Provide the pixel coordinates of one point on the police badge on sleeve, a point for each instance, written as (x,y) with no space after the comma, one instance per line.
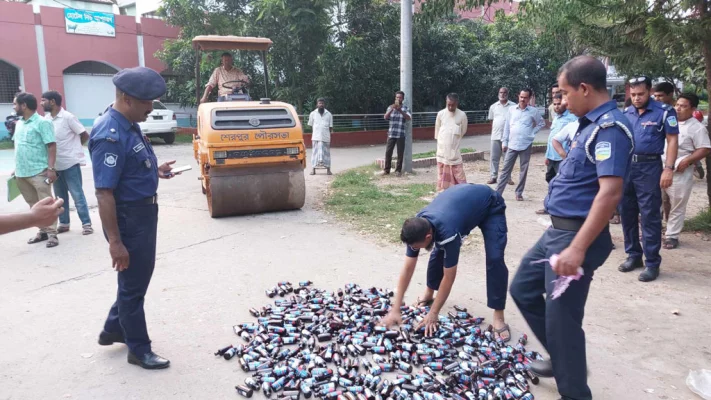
(603,151)
(672,121)
(110,160)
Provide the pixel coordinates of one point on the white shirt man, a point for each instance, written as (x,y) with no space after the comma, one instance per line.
(694,145)
(498,112)
(69,134)
(450,128)
(321,123)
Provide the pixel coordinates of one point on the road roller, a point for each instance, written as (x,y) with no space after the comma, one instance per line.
(251,154)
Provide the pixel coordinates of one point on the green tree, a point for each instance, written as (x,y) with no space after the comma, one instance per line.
(300,31)
(670,39)
(298,28)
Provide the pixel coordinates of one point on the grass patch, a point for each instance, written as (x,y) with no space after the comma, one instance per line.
(381,210)
(183,138)
(540,143)
(700,223)
(433,153)
(6,144)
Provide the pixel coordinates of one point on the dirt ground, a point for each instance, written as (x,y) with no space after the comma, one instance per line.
(210,271)
(637,348)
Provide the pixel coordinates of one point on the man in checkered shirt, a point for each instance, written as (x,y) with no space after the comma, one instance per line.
(398,114)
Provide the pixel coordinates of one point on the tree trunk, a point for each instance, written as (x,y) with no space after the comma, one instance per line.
(706,49)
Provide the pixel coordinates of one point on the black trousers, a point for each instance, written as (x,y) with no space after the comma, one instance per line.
(138,226)
(389,154)
(552,169)
(558,324)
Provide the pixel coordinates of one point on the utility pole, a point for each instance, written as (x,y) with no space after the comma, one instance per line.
(406,73)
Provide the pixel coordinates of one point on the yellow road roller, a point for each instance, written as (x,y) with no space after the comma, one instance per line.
(251,154)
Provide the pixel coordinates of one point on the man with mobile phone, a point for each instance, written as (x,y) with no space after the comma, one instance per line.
(35,155)
(398,114)
(126,174)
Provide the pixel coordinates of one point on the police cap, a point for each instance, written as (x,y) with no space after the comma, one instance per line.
(140,82)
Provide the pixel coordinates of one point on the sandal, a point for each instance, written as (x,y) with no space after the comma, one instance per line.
(671,243)
(424,303)
(87,230)
(39,237)
(52,241)
(504,328)
(62,228)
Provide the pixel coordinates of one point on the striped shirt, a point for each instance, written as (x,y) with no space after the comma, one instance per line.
(220,75)
(397,122)
(521,128)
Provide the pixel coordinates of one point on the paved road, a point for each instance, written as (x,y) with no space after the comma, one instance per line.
(342,159)
(208,273)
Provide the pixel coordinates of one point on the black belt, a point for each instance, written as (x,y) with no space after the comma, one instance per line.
(143,202)
(645,157)
(567,224)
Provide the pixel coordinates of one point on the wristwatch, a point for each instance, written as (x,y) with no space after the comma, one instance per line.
(52,169)
(671,167)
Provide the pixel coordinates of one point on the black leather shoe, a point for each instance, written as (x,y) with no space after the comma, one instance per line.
(544,369)
(149,360)
(107,339)
(649,274)
(631,264)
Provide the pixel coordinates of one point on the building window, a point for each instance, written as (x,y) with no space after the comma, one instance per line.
(9,82)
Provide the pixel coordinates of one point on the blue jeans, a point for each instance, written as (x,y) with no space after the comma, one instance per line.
(69,181)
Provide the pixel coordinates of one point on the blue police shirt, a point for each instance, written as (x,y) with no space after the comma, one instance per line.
(122,158)
(651,127)
(572,191)
(453,214)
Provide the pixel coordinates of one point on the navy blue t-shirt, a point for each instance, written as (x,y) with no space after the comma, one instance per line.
(453,214)
(122,158)
(572,191)
(652,127)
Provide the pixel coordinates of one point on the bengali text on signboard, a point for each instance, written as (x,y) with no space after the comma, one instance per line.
(95,23)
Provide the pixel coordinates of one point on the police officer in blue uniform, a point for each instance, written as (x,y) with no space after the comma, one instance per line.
(441,227)
(653,123)
(126,176)
(580,200)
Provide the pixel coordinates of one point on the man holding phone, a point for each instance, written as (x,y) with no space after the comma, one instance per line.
(398,114)
(35,155)
(126,176)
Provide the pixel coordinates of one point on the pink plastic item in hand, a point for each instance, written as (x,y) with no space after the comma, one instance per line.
(560,285)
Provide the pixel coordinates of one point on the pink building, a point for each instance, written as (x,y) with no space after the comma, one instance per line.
(483,14)
(42,48)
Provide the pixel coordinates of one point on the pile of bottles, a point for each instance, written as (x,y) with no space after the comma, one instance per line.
(311,342)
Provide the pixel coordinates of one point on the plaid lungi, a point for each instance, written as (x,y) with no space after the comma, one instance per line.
(320,154)
(449,175)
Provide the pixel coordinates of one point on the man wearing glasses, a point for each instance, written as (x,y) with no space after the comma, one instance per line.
(653,123)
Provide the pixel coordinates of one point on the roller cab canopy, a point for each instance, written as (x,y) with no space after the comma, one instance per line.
(214,42)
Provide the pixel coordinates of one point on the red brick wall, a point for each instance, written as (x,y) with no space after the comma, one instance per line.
(17,43)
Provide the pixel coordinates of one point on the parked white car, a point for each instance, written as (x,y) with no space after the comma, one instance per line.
(161,122)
